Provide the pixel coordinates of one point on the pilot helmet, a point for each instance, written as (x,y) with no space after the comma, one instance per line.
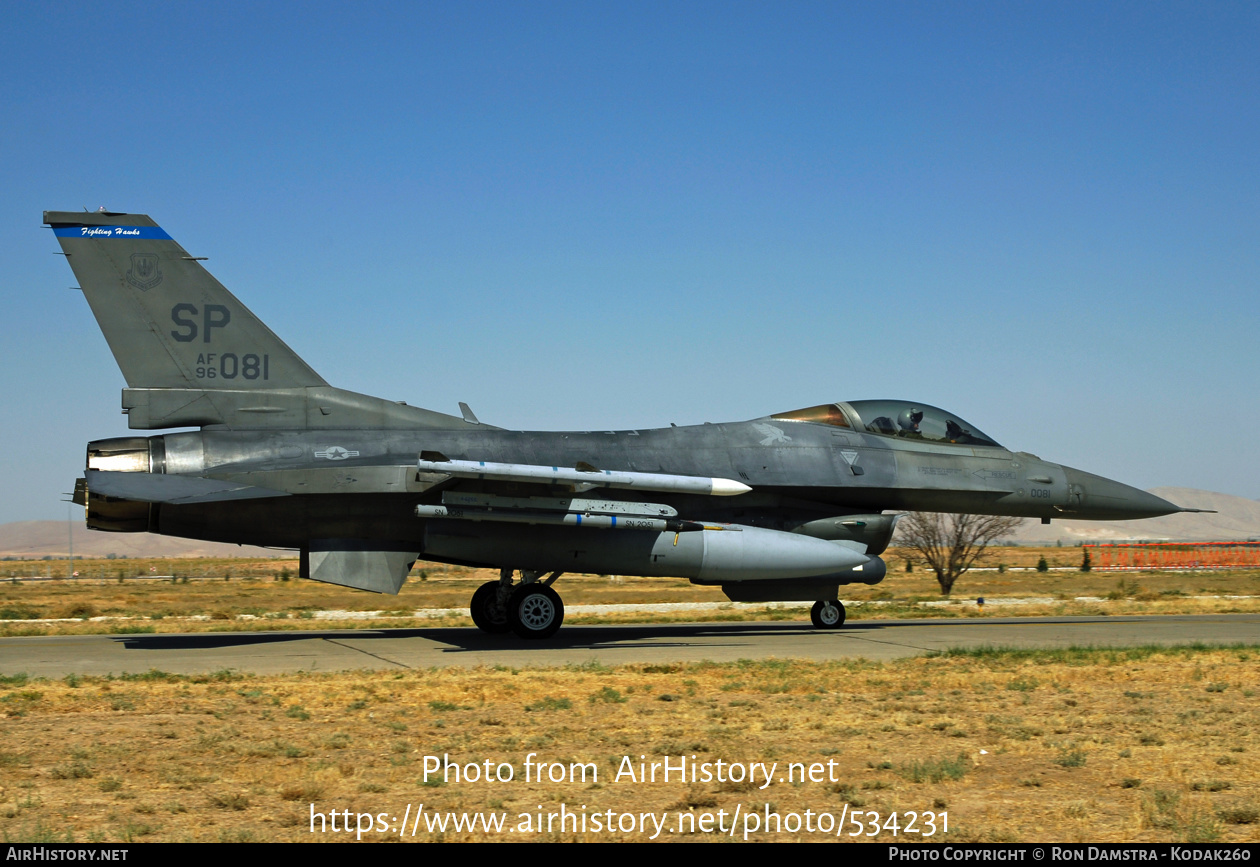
(910,418)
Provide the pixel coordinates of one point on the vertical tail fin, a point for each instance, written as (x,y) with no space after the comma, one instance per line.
(192,354)
(168,322)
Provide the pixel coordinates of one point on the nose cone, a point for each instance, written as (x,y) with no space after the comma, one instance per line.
(1100,499)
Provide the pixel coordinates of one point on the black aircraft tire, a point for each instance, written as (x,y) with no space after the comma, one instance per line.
(535,611)
(482,610)
(827,614)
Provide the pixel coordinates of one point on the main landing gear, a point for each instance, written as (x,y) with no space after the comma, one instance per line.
(531,609)
(827,614)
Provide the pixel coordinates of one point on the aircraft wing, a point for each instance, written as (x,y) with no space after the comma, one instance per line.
(180,490)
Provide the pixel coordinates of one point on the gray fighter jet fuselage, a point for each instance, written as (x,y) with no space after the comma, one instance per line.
(789,506)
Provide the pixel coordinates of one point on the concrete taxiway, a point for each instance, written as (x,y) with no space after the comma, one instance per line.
(384,649)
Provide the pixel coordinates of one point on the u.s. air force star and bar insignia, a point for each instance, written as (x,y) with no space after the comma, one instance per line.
(145,272)
(336,453)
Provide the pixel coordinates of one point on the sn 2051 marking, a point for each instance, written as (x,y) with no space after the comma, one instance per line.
(228,365)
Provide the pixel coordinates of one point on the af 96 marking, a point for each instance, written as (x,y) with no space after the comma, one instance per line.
(228,365)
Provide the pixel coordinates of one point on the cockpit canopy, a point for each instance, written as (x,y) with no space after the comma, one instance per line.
(917,421)
(895,418)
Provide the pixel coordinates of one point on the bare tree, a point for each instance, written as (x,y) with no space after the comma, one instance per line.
(951,544)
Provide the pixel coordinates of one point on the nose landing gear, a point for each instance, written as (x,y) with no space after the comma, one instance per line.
(827,614)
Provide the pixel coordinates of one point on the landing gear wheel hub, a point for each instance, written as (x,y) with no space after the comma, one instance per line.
(535,611)
(827,614)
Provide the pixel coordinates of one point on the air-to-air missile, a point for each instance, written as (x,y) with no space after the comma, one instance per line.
(789,506)
(583,477)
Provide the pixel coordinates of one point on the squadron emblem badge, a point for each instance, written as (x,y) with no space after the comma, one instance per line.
(144,273)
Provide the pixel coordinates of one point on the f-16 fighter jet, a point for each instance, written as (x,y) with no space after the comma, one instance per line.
(789,506)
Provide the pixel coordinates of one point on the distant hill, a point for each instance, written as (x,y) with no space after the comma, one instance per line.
(1237,519)
(36,539)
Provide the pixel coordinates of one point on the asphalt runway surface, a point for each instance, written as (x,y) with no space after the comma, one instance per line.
(400,649)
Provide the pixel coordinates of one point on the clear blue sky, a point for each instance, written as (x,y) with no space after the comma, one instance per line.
(594,215)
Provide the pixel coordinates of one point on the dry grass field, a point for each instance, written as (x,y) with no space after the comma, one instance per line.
(1078,745)
(1071,746)
(224,594)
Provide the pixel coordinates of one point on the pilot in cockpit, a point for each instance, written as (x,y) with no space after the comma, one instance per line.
(908,421)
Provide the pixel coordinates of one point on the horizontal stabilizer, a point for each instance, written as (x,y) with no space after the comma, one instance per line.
(583,479)
(179,490)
